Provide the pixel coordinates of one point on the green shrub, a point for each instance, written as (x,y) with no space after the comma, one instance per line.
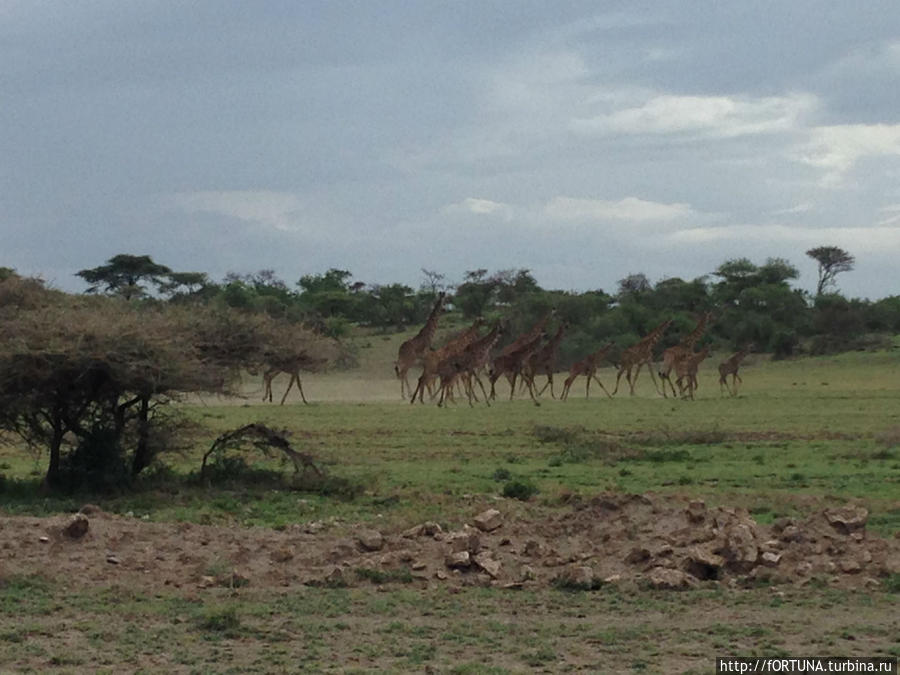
(521,490)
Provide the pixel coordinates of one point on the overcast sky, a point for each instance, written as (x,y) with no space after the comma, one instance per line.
(582,140)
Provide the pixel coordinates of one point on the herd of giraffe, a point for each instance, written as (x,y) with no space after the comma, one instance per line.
(463,359)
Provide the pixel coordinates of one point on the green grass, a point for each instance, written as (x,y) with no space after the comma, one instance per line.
(802,435)
(474,631)
(800,431)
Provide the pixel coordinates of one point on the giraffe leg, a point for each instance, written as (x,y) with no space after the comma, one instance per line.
(633,381)
(290,384)
(300,387)
(601,386)
(512,384)
(619,377)
(566,386)
(653,378)
(531,389)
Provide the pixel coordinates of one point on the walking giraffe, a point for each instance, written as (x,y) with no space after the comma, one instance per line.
(432,359)
(638,355)
(686,369)
(511,365)
(730,367)
(466,364)
(682,350)
(587,367)
(414,349)
(543,361)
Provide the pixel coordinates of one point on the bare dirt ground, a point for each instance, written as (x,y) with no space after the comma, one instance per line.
(660,542)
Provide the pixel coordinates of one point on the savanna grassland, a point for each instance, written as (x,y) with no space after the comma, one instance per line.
(803,435)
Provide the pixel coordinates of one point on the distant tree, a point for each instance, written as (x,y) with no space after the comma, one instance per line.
(633,285)
(433,282)
(832,261)
(333,280)
(476,294)
(126,275)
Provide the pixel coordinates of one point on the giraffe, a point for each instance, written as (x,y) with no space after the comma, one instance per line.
(730,367)
(543,362)
(686,369)
(414,349)
(511,365)
(682,350)
(467,363)
(587,367)
(639,354)
(292,367)
(432,359)
(525,338)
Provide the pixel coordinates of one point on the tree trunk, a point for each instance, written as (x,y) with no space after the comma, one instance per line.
(51,480)
(142,453)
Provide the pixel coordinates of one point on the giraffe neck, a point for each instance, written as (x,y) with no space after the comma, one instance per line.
(691,339)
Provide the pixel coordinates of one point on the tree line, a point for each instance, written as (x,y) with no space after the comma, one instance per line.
(751,303)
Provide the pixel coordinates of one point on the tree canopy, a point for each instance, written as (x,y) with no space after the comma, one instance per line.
(832,261)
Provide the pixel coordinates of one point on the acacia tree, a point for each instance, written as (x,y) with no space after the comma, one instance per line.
(127,276)
(832,261)
(87,379)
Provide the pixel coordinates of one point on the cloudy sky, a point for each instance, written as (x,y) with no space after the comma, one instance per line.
(582,140)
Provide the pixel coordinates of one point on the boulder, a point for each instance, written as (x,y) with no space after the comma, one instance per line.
(488,521)
(77,527)
(464,540)
(370,540)
(847,519)
(458,560)
(665,578)
(696,511)
(487,563)
(702,563)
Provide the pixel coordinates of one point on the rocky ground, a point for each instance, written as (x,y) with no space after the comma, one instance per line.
(660,542)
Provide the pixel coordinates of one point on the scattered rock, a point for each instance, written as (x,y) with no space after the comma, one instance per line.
(696,511)
(44,539)
(781,523)
(342,549)
(702,563)
(770,559)
(113,559)
(458,560)
(77,527)
(669,579)
(740,549)
(488,521)
(207,582)
(370,540)
(90,510)
(533,548)
(489,564)
(464,540)
(847,519)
